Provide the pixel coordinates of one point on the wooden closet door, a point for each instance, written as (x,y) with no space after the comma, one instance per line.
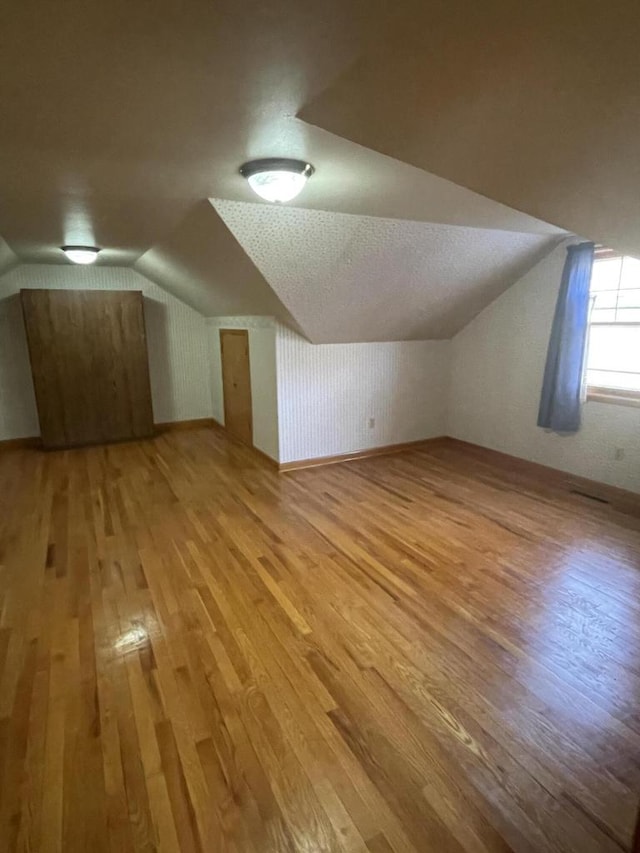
(236,384)
(89,361)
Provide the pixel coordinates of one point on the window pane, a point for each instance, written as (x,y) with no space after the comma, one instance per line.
(606,274)
(606,299)
(630,273)
(613,347)
(628,315)
(626,298)
(620,381)
(607,315)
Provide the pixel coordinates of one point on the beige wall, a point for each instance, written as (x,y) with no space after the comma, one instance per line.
(327,393)
(497,363)
(317,400)
(176,336)
(262,362)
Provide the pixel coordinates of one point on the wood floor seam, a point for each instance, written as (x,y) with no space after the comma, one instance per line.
(424,651)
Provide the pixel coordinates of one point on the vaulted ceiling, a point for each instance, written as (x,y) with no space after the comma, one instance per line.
(446,137)
(359,278)
(202,264)
(536,105)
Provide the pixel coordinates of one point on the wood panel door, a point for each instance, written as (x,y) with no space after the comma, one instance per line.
(236,384)
(89,361)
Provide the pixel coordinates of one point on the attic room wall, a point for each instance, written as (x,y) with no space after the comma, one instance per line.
(328,392)
(262,364)
(176,337)
(497,364)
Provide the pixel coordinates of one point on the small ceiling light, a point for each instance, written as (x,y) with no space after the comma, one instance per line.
(81,254)
(277,179)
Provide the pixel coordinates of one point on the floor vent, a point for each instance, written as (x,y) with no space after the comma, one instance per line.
(591,497)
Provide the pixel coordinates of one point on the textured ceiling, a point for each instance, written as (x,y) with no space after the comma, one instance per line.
(7,258)
(536,105)
(357,278)
(120,119)
(202,264)
(117,118)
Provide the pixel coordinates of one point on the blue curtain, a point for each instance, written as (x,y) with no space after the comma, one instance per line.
(560,403)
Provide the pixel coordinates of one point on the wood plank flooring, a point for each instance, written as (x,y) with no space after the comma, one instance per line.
(418,652)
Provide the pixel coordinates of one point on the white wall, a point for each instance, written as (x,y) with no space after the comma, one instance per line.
(497,363)
(327,393)
(176,336)
(262,364)
(316,400)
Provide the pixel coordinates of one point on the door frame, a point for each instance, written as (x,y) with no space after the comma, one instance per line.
(245,334)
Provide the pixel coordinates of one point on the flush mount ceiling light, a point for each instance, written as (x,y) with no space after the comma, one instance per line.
(81,254)
(277,179)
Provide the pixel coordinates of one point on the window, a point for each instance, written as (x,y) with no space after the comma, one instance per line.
(613,354)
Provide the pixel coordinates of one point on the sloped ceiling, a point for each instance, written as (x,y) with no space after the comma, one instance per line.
(120,119)
(213,269)
(358,278)
(536,105)
(7,258)
(119,116)
(202,264)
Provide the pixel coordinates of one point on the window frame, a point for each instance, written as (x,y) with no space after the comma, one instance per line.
(602,393)
(599,394)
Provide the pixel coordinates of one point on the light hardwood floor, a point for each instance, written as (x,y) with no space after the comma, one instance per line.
(418,652)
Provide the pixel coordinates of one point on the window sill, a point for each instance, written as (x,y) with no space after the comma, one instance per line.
(607,395)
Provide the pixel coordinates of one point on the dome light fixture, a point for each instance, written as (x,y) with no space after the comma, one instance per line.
(81,254)
(277,179)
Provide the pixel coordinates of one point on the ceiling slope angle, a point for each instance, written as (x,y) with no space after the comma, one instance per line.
(535,105)
(111,132)
(349,278)
(116,121)
(202,264)
(8,258)
(350,178)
